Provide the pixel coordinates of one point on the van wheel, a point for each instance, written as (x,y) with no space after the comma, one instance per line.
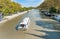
(17,28)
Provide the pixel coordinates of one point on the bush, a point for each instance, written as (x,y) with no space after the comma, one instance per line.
(52,10)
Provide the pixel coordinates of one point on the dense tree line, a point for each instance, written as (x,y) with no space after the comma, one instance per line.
(8,7)
(50,4)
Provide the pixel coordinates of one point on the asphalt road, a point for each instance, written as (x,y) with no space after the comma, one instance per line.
(40,28)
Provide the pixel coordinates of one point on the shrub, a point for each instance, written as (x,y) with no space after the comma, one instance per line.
(52,10)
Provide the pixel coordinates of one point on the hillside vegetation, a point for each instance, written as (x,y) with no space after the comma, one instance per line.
(8,7)
(47,4)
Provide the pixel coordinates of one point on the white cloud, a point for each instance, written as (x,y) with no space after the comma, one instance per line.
(30,0)
(12,0)
(28,3)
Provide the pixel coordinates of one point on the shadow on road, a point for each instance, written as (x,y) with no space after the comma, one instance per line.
(36,35)
(50,34)
(48,24)
(50,27)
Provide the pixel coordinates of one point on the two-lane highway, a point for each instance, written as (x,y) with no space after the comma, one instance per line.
(39,28)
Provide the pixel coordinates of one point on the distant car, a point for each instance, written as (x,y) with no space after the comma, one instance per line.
(47,14)
(57,17)
(24,24)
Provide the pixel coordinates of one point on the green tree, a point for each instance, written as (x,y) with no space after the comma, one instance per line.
(8,7)
(52,10)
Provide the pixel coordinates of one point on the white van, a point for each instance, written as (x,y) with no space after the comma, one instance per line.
(24,24)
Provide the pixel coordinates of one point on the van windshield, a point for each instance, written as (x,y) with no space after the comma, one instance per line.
(22,25)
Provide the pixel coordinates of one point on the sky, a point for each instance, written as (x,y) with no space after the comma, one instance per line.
(29,3)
